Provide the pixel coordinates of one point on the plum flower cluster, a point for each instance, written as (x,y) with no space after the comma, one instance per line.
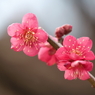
(73,57)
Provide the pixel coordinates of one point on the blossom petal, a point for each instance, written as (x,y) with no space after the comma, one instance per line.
(74,56)
(84,64)
(43,54)
(62,54)
(42,35)
(85,43)
(61,66)
(31,51)
(14,29)
(69,74)
(89,55)
(17,45)
(70,42)
(83,75)
(88,66)
(76,63)
(52,61)
(29,21)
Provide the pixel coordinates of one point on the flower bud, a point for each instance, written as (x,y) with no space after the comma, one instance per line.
(63,30)
(67,28)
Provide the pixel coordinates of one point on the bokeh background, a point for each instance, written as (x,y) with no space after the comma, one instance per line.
(24,75)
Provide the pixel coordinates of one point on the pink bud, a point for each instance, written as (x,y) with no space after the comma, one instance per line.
(59,32)
(63,30)
(67,28)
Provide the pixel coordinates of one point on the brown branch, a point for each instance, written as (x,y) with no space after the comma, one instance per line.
(92,79)
(58,45)
(54,43)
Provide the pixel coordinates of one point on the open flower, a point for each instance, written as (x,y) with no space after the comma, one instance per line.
(47,53)
(27,36)
(74,57)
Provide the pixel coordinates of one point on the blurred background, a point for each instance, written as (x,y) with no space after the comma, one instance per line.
(24,75)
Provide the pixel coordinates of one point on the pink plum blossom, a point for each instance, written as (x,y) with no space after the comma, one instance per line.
(27,36)
(74,56)
(47,53)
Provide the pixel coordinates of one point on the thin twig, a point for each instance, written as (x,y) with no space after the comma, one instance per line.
(54,43)
(92,79)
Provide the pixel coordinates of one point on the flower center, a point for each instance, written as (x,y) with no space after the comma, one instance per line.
(77,52)
(30,38)
(29,35)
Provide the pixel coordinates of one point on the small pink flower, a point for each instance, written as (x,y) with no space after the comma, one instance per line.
(47,54)
(27,36)
(74,57)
